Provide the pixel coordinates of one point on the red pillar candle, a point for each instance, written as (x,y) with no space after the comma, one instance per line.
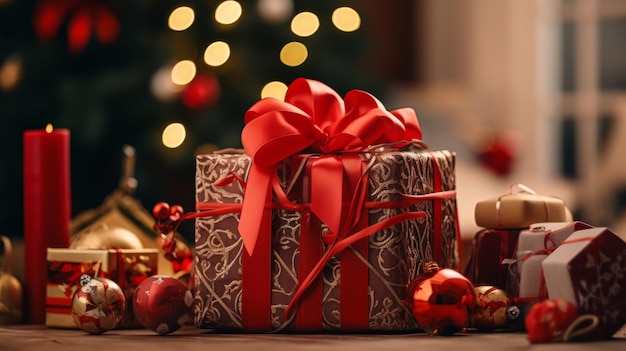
(46,210)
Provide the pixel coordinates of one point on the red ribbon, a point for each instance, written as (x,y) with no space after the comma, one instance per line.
(69,273)
(313,118)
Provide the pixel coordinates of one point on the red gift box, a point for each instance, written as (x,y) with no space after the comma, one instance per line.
(490,249)
(313,229)
(589,270)
(126,267)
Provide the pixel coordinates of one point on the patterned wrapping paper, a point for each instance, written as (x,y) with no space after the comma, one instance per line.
(394,254)
(589,270)
(65,266)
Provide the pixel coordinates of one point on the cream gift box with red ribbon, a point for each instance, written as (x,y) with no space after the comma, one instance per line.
(588,269)
(533,246)
(127,267)
(519,208)
(325,219)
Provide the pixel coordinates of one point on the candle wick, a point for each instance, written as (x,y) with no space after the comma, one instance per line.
(49,128)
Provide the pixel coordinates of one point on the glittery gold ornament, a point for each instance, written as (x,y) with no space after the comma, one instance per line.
(494,308)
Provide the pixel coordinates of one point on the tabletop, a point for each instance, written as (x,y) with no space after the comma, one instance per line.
(40,338)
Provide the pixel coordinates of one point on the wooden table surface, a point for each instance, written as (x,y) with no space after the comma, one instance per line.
(40,338)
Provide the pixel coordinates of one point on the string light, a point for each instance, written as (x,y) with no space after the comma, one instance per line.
(228,12)
(305,24)
(293,54)
(162,86)
(173,135)
(183,72)
(346,19)
(275,11)
(275,90)
(217,53)
(10,72)
(181,18)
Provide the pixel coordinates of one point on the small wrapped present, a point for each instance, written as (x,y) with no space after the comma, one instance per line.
(589,270)
(534,245)
(520,208)
(490,249)
(127,267)
(314,230)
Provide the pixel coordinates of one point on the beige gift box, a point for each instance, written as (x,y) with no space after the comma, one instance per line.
(519,208)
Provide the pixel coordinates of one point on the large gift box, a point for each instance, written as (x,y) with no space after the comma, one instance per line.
(589,270)
(126,267)
(490,250)
(311,230)
(519,208)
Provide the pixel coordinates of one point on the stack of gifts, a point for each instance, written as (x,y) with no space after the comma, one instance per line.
(532,248)
(324,220)
(502,219)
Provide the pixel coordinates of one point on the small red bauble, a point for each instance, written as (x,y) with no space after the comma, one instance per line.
(161,210)
(98,305)
(162,304)
(442,300)
(556,320)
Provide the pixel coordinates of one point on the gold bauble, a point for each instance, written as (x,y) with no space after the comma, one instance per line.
(106,237)
(492,306)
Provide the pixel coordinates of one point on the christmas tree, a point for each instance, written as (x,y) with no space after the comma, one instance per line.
(104,69)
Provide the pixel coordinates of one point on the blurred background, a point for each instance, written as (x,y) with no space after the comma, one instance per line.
(530,92)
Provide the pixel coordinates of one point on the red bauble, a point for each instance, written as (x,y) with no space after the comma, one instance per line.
(202,91)
(498,155)
(442,300)
(557,320)
(98,305)
(162,304)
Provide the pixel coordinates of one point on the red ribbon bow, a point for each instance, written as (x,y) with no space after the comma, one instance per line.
(313,118)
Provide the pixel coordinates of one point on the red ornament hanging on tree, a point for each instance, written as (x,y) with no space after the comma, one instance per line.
(85,19)
(442,300)
(202,91)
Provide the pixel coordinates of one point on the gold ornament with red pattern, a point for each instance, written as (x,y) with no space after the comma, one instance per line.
(495,309)
(442,300)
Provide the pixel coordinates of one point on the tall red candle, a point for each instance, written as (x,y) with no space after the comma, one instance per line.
(46,210)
